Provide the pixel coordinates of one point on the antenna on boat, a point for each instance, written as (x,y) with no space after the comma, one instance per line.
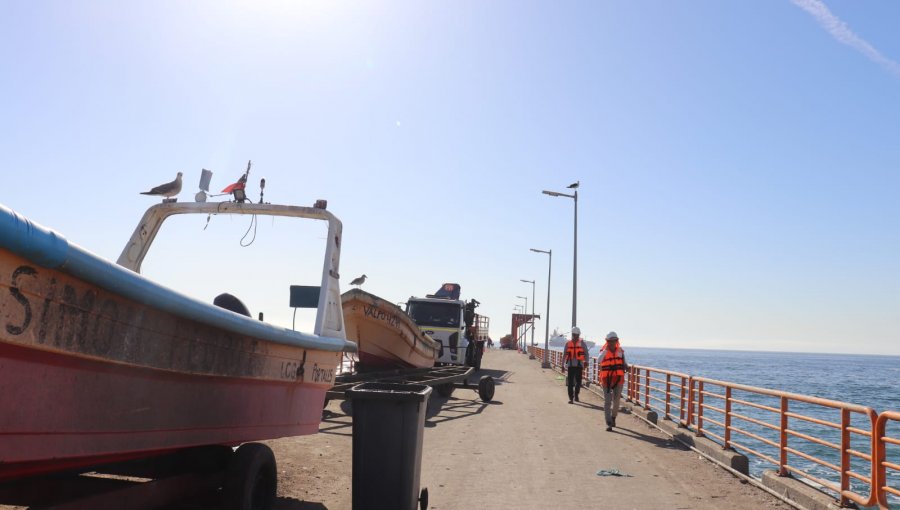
(237,189)
(205,178)
(262,188)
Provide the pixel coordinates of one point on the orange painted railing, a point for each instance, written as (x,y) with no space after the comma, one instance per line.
(662,391)
(790,426)
(882,461)
(783,423)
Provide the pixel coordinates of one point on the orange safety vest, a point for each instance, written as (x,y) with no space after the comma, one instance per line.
(573,352)
(612,368)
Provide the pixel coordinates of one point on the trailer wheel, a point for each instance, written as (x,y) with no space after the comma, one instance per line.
(251,478)
(486,388)
(445,390)
(423,499)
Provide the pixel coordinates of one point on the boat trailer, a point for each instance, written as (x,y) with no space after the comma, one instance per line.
(444,379)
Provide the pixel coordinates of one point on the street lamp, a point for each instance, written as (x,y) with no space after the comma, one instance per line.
(524,340)
(546,361)
(575,250)
(531,356)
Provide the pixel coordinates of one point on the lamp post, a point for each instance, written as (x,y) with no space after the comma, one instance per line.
(575,250)
(531,355)
(545,363)
(525,334)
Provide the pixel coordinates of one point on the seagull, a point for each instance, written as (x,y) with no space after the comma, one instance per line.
(167,190)
(358,281)
(573,185)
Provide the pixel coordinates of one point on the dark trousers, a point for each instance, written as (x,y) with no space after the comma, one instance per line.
(573,381)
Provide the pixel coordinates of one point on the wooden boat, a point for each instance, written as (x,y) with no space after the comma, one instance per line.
(387,338)
(100,364)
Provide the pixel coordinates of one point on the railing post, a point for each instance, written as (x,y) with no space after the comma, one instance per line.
(628,383)
(646,388)
(699,431)
(782,442)
(668,389)
(690,406)
(845,455)
(727,445)
(682,412)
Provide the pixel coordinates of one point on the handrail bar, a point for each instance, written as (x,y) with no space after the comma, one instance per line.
(754,420)
(793,396)
(758,438)
(755,405)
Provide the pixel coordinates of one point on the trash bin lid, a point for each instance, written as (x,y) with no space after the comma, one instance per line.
(390,391)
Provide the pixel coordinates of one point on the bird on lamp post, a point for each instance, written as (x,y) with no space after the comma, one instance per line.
(358,281)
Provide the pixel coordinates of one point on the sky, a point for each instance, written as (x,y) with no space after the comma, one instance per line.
(738,162)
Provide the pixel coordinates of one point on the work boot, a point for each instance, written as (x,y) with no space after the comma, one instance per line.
(576,398)
(609,429)
(570,400)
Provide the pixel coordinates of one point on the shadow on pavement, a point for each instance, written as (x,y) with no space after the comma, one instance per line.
(296,504)
(660,442)
(337,423)
(500,376)
(442,410)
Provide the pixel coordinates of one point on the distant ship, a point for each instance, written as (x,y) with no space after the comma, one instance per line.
(557,342)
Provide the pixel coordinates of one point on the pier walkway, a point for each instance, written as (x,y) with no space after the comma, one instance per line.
(529,449)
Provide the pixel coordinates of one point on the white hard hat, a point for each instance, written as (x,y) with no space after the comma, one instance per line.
(576,331)
(611,335)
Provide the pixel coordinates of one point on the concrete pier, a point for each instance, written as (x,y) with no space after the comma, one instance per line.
(528,449)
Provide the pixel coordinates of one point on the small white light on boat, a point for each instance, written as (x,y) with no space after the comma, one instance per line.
(200,196)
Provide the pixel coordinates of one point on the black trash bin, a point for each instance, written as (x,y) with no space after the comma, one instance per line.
(388,425)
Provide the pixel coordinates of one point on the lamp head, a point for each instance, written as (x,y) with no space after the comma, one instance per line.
(551,193)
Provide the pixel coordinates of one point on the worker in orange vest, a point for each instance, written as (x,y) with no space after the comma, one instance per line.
(574,362)
(612,377)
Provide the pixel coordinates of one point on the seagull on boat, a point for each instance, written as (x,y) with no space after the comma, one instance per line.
(167,190)
(358,281)
(574,184)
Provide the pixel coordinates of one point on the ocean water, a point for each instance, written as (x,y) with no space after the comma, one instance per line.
(871,381)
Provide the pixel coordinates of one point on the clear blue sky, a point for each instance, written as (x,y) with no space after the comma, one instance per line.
(739,161)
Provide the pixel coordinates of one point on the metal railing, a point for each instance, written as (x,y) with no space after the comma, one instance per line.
(662,391)
(797,419)
(883,461)
(787,430)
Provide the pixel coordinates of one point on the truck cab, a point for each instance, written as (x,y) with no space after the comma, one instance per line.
(442,319)
(453,323)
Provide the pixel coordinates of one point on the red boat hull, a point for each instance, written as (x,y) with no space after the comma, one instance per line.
(88,377)
(86,412)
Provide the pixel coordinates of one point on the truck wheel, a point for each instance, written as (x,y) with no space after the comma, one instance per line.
(486,388)
(251,478)
(445,390)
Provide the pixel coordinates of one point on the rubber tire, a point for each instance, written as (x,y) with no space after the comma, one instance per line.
(251,479)
(423,499)
(486,388)
(445,390)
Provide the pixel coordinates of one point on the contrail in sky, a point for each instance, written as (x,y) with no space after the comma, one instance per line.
(840,31)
